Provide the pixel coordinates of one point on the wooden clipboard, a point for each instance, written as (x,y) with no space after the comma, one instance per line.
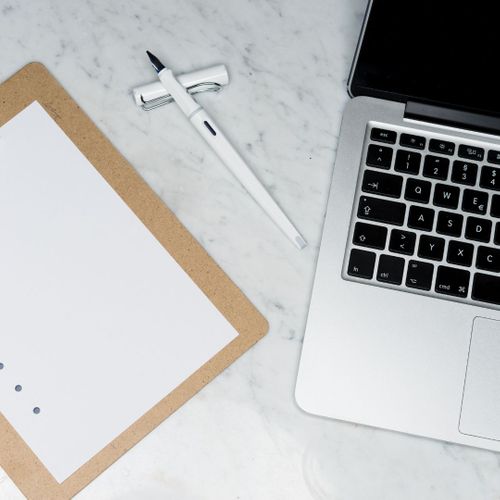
(34,82)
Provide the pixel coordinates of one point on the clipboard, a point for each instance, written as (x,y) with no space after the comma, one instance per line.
(34,83)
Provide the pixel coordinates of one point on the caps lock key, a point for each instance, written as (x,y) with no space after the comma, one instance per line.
(375,209)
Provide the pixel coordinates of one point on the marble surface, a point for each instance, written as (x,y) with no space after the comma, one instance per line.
(243,437)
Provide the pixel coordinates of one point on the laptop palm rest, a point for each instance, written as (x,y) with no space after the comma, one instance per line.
(480,414)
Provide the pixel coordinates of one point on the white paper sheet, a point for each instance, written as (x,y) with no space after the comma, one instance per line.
(97,323)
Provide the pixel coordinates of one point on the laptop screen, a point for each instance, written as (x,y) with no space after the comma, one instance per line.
(434,51)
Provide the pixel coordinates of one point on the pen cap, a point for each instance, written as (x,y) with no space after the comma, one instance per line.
(216,75)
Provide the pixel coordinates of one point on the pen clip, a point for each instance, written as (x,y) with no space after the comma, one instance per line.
(167,99)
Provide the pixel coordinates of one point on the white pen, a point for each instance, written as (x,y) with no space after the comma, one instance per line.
(204,124)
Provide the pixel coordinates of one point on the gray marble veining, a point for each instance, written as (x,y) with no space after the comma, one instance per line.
(243,437)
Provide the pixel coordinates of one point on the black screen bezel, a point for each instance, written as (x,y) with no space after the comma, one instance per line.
(355,89)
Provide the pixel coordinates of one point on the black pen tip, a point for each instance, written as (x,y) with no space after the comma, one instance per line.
(157,64)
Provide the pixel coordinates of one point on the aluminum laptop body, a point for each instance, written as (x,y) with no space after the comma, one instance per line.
(403,331)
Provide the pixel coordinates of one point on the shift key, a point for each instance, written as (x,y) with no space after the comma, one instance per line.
(375,209)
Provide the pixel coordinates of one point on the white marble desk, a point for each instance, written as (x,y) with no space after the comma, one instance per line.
(243,437)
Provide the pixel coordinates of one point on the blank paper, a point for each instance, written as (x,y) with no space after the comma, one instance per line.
(98,322)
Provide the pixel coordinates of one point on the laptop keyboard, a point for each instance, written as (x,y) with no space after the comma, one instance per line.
(426,216)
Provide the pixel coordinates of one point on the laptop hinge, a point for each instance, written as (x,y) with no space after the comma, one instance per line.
(452,117)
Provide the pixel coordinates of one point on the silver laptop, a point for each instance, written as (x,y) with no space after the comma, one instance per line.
(404,325)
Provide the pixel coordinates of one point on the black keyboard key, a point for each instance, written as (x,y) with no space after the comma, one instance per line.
(446,196)
(436,167)
(417,190)
(475,201)
(494,157)
(390,269)
(412,141)
(402,242)
(496,239)
(368,235)
(460,253)
(488,259)
(419,275)
(450,224)
(407,162)
(431,247)
(470,152)
(389,212)
(379,156)
(443,147)
(382,135)
(421,218)
(495,205)
(486,288)
(490,178)
(452,281)
(382,183)
(478,229)
(464,172)
(361,264)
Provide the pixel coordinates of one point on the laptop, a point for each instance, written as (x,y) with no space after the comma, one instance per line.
(403,331)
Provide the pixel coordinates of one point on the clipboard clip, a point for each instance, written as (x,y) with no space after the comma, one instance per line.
(154,95)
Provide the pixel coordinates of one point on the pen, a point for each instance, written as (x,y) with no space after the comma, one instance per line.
(206,127)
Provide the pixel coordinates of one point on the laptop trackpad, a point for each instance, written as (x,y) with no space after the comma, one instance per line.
(480,415)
